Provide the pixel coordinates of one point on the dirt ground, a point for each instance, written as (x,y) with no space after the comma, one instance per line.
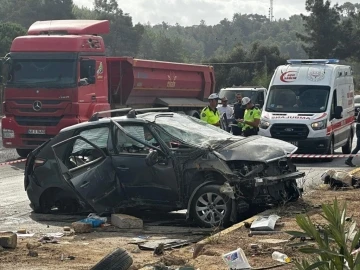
(88,249)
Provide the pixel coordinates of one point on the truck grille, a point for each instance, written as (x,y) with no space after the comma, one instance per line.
(35,139)
(30,102)
(38,121)
(288,132)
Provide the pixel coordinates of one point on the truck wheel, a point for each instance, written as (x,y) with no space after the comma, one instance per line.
(346,149)
(210,208)
(193,113)
(23,152)
(119,259)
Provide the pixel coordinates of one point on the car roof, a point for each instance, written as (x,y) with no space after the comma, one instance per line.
(140,119)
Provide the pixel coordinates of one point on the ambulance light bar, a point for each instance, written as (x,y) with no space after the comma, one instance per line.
(313,61)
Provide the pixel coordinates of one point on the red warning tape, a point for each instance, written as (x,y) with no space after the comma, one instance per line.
(322,156)
(13,162)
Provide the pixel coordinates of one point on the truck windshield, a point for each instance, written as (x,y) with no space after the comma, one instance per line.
(55,73)
(298,98)
(231,94)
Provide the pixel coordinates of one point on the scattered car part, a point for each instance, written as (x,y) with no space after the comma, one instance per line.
(118,259)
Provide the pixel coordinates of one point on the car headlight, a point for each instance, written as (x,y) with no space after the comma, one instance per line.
(264,124)
(319,125)
(8,134)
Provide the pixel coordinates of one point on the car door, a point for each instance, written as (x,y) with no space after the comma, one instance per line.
(155,184)
(88,170)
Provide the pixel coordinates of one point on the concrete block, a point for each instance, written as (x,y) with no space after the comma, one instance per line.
(8,239)
(126,222)
(81,227)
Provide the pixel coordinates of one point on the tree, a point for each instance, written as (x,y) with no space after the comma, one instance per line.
(124,39)
(27,12)
(8,32)
(322,28)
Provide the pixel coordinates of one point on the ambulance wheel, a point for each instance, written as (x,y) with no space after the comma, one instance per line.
(346,149)
(330,151)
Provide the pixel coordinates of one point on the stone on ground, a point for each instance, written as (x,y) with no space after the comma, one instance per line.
(126,222)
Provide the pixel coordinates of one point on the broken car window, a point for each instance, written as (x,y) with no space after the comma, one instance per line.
(98,136)
(125,144)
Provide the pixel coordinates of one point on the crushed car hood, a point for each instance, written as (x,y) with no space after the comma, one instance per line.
(256,148)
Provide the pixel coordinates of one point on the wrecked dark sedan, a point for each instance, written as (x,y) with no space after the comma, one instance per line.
(159,161)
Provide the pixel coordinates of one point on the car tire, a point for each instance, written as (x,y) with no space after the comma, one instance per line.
(23,152)
(118,259)
(211,208)
(346,149)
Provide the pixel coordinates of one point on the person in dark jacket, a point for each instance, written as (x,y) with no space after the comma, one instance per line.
(239,112)
(357,148)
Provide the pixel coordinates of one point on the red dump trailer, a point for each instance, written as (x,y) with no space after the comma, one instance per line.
(58,75)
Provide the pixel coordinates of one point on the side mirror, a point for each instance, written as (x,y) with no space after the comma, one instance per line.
(152,158)
(83,82)
(338,112)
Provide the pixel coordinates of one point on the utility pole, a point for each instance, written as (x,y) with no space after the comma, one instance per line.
(271,11)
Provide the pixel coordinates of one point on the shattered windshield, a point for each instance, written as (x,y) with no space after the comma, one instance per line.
(194,131)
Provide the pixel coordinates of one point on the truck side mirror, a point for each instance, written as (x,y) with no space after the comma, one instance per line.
(338,112)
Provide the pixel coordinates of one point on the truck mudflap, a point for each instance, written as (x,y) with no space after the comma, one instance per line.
(260,181)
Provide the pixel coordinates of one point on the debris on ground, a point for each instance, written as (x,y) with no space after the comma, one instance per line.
(80,227)
(341,179)
(32,245)
(47,239)
(8,239)
(236,259)
(94,220)
(33,253)
(126,222)
(167,243)
(264,223)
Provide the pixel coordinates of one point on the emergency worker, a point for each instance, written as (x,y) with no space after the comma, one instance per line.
(238,114)
(357,148)
(210,114)
(251,119)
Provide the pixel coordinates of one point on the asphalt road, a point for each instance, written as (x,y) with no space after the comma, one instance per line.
(14,205)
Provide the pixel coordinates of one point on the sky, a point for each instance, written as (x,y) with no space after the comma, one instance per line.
(191,12)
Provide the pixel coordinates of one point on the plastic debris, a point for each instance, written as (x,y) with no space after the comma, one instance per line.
(280,257)
(236,259)
(264,223)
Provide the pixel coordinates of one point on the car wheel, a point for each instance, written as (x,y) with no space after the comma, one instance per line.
(23,152)
(210,208)
(346,149)
(119,259)
(58,200)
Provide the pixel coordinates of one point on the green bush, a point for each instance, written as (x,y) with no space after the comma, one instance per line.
(334,246)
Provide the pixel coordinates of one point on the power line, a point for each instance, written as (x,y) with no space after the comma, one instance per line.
(234,63)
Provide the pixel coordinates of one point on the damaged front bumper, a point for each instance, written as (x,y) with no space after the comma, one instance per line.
(272,180)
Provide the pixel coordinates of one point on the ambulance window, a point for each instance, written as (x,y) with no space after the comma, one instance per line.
(261,98)
(333,103)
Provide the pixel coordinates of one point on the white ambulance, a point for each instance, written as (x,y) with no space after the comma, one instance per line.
(310,103)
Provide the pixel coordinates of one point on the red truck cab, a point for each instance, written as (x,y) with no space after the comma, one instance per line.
(58,75)
(55,79)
